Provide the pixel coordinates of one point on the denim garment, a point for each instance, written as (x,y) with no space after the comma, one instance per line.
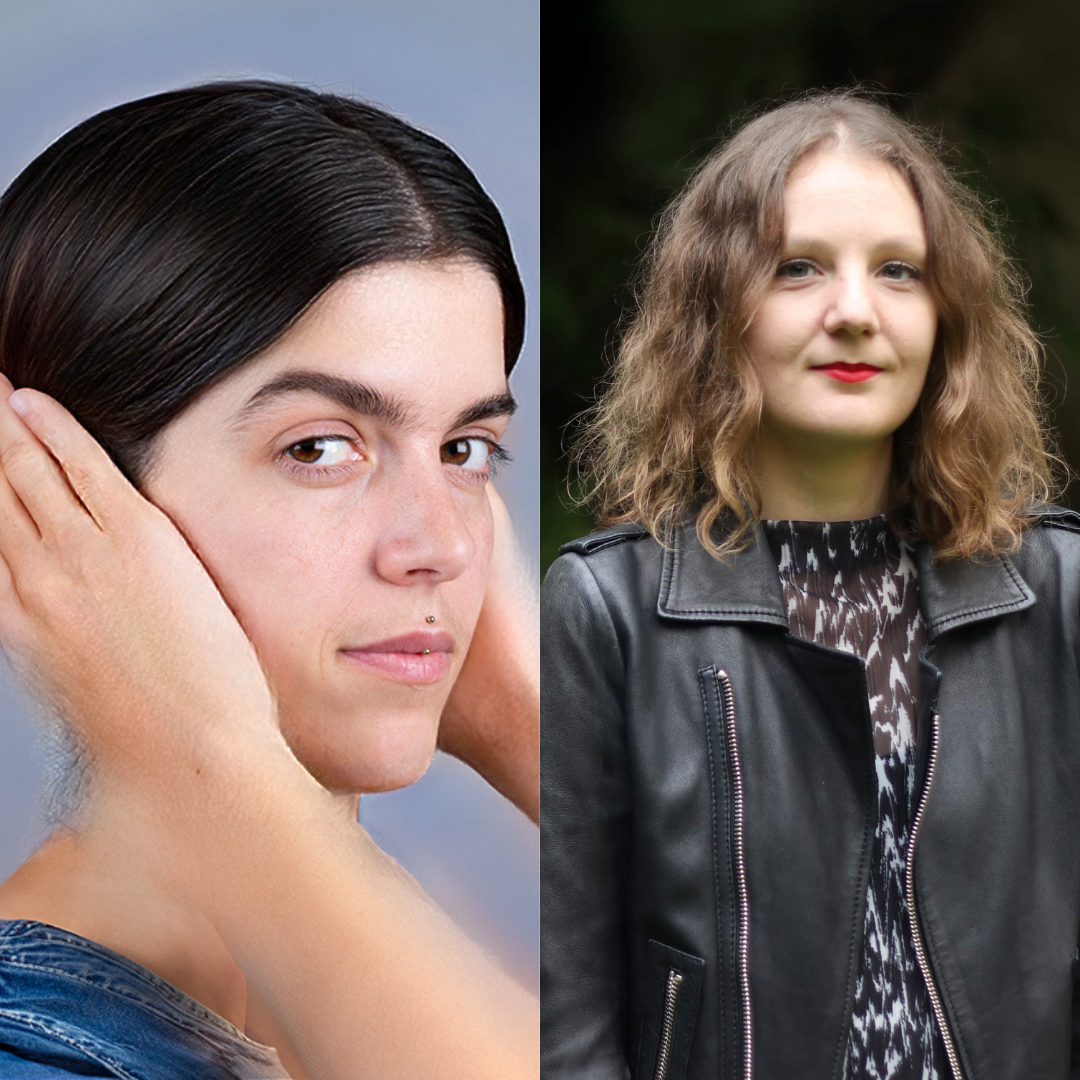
(71,1007)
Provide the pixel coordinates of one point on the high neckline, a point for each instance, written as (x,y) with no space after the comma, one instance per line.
(803,547)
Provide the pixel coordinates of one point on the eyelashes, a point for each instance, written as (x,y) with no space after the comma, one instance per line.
(907,268)
(474,452)
(803,269)
(328,457)
(795,269)
(323,450)
(320,457)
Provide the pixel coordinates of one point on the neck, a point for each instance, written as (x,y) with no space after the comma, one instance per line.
(108,880)
(95,883)
(798,481)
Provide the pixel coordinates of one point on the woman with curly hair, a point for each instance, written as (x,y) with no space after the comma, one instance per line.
(810,748)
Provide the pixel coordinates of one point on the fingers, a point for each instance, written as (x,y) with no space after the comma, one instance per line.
(19,542)
(19,535)
(10,605)
(500,515)
(497,505)
(93,477)
(13,622)
(35,478)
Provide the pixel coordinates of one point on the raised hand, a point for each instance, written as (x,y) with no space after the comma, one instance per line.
(491,719)
(105,611)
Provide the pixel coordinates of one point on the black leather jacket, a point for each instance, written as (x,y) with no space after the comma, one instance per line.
(709,801)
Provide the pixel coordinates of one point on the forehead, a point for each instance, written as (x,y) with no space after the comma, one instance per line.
(836,190)
(429,335)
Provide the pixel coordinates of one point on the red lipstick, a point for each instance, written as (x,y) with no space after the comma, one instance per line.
(420,658)
(849,372)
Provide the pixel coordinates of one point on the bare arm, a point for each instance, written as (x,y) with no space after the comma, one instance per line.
(102,601)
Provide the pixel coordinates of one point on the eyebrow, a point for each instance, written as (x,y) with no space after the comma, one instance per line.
(359,398)
(497,405)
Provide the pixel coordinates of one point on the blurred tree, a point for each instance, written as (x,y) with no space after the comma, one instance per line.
(643,92)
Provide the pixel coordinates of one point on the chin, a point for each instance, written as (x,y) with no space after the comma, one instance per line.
(365,754)
(850,431)
(856,420)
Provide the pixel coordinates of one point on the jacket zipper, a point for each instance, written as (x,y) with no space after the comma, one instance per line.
(742,936)
(916,932)
(667,1029)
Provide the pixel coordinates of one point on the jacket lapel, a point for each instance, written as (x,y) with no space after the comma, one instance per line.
(695,587)
(965,591)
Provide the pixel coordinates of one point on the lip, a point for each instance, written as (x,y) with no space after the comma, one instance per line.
(421,658)
(844,372)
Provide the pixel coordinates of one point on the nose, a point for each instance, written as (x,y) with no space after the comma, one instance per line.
(425,538)
(852,310)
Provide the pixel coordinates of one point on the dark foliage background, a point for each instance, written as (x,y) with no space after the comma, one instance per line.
(635,93)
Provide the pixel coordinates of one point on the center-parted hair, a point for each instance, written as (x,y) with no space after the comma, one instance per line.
(674,432)
(157,246)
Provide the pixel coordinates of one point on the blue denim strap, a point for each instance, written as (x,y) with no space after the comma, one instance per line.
(69,1006)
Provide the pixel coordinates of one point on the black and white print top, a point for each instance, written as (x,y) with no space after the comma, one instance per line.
(853,585)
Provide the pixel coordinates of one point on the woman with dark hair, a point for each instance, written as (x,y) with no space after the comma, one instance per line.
(288,317)
(810,735)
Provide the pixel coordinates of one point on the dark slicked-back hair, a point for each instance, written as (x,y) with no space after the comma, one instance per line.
(159,245)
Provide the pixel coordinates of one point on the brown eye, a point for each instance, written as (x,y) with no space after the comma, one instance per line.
(455,452)
(323,450)
(309,451)
(466,453)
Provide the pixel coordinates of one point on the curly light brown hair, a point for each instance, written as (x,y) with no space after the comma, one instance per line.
(674,432)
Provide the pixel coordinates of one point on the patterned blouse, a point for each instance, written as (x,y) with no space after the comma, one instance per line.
(853,585)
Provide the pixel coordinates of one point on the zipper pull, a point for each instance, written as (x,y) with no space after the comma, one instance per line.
(667,1028)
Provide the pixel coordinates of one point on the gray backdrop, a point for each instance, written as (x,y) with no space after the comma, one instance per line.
(468,71)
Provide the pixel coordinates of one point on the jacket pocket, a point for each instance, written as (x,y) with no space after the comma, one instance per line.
(670,1010)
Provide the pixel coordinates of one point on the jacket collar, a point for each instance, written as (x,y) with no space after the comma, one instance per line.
(695,587)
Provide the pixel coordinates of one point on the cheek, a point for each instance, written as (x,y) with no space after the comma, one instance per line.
(914,328)
(299,575)
(915,339)
(916,347)
(286,577)
(779,332)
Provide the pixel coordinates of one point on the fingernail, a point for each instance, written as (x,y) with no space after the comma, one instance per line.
(19,404)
